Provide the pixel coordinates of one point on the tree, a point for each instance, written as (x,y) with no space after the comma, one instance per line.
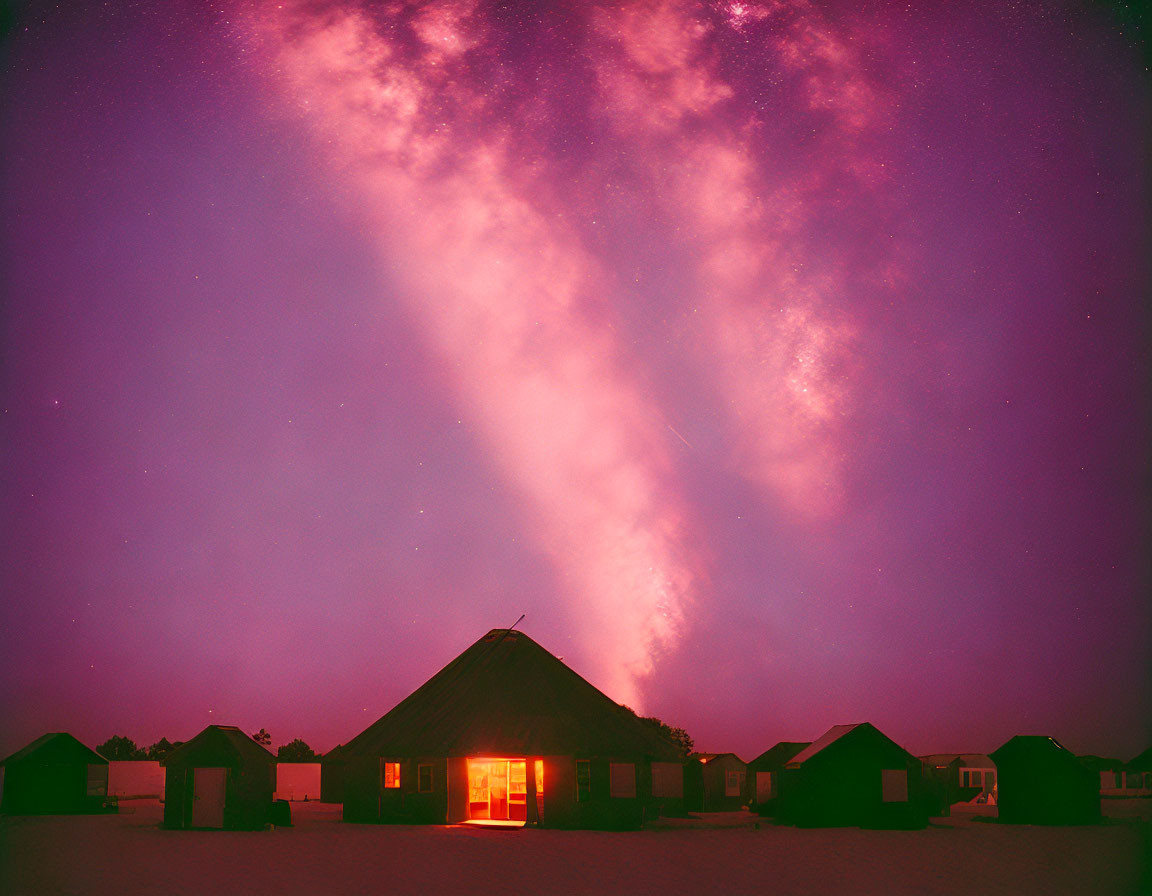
(117,749)
(159,750)
(262,737)
(297,751)
(678,737)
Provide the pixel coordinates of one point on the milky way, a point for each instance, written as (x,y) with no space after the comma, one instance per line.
(783,361)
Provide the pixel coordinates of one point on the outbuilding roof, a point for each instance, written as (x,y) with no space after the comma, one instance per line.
(225,740)
(55,746)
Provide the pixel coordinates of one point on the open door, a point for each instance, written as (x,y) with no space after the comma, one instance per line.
(498,789)
(208,786)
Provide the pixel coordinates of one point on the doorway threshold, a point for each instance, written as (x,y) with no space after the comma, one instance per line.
(494,823)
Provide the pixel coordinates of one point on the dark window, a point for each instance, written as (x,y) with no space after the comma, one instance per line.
(424,778)
(583,780)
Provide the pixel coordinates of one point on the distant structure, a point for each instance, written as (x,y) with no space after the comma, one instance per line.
(962,777)
(715,782)
(507,734)
(1138,772)
(764,775)
(333,767)
(853,776)
(135,779)
(1041,782)
(219,779)
(54,775)
(298,781)
(1110,771)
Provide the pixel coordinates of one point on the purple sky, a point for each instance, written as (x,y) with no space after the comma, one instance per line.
(785,362)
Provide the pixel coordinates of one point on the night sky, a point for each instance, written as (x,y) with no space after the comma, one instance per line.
(785,362)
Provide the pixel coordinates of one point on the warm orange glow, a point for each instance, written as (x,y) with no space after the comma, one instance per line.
(498,789)
(539,776)
(392,775)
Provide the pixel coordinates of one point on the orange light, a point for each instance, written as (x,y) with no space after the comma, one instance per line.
(539,776)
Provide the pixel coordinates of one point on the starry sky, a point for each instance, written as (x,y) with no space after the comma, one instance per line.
(786,363)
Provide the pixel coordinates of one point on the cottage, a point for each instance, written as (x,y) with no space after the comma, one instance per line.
(714,782)
(764,775)
(54,775)
(219,779)
(1041,782)
(853,776)
(507,734)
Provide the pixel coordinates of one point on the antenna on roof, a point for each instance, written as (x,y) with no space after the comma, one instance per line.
(517,622)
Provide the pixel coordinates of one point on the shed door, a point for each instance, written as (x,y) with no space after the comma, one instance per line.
(208,797)
(764,788)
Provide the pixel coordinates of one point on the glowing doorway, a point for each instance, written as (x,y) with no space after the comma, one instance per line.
(498,789)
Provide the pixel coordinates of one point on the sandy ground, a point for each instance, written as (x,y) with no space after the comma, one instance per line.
(729,853)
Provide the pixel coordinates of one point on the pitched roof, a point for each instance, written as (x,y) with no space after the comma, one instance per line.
(507,694)
(220,738)
(839,732)
(1028,746)
(55,746)
(1141,763)
(783,752)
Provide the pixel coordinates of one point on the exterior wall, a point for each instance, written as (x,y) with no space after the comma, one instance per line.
(54,788)
(135,780)
(247,794)
(1047,790)
(297,781)
(332,775)
(847,790)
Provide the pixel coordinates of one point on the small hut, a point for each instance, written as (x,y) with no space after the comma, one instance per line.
(1110,771)
(961,778)
(507,734)
(853,776)
(714,782)
(54,775)
(219,779)
(1041,782)
(333,767)
(764,775)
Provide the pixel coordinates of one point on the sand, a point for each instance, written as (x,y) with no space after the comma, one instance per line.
(729,853)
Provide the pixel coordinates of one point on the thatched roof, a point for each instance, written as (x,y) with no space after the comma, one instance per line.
(507,695)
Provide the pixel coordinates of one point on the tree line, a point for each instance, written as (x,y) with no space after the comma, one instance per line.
(120,749)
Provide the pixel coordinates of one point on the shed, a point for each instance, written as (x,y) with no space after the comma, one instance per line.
(715,782)
(219,779)
(1138,771)
(1109,771)
(507,734)
(764,775)
(853,776)
(54,775)
(962,777)
(1041,782)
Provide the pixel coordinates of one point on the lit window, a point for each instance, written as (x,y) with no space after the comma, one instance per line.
(391,775)
(583,780)
(895,785)
(424,778)
(621,780)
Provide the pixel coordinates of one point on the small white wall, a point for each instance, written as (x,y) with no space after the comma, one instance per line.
(128,780)
(298,780)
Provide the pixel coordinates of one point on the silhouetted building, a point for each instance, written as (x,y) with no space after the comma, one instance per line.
(1041,782)
(853,776)
(1138,771)
(764,775)
(961,778)
(1109,771)
(54,775)
(506,733)
(715,782)
(333,767)
(219,779)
